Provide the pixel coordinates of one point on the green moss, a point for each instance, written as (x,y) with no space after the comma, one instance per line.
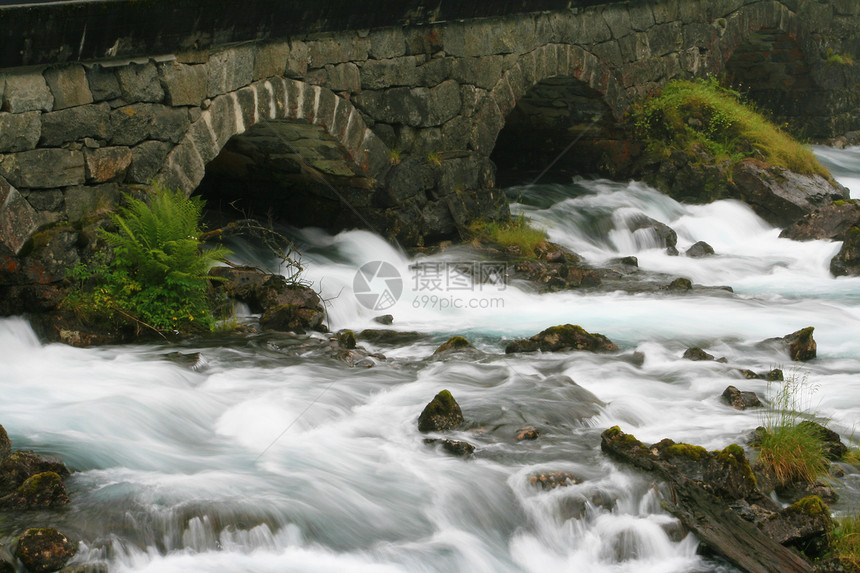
(37,483)
(687,451)
(811,505)
(695,116)
(445,401)
(612,432)
(566,330)
(513,233)
(840,202)
(734,456)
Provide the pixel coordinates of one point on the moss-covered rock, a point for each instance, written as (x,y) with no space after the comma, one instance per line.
(20,465)
(833,447)
(346,339)
(697,354)
(44,550)
(805,525)
(561,338)
(453,447)
(5,444)
(39,491)
(442,413)
(453,344)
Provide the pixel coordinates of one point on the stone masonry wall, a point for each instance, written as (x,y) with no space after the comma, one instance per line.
(415,110)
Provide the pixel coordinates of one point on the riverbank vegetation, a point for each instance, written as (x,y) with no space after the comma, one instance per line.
(701,116)
(516,233)
(154,272)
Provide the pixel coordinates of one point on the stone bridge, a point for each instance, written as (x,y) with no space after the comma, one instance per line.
(393,116)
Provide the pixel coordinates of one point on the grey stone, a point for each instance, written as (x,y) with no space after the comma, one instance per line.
(27,91)
(387,43)
(377,74)
(147,159)
(271,60)
(43,168)
(665,38)
(106,163)
(230,70)
(75,124)
(85,201)
(297,61)
(132,124)
(69,86)
(184,84)
(18,220)
(204,140)
(641,17)
(344,77)
(435,71)
(139,83)
(103,83)
(50,200)
(336,50)
(19,131)
(416,107)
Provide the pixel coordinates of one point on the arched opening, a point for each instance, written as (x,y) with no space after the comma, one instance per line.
(559,122)
(286,171)
(772,71)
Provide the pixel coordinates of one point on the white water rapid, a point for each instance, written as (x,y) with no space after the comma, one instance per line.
(273,457)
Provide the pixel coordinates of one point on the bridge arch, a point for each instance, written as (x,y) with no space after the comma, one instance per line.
(297,132)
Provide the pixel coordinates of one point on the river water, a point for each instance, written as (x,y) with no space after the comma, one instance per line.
(270,455)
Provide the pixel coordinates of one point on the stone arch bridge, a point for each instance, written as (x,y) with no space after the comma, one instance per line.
(402,111)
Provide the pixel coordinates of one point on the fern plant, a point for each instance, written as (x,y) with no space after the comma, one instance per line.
(158,274)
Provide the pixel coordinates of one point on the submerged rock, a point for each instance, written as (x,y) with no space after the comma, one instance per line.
(663,233)
(700,249)
(697,354)
(44,550)
(527,433)
(740,400)
(453,447)
(346,339)
(563,337)
(442,413)
(454,344)
(847,260)
(385,319)
(680,283)
(392,337)
(552,480)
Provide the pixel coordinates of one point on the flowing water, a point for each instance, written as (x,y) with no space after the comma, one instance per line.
(271,455)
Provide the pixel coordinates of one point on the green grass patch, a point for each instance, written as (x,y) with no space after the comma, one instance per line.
(517,232)
(700,115)
(845,540)
(155,273)
(836,59)
(791,450)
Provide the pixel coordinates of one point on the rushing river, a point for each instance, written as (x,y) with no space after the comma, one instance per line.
(272,456)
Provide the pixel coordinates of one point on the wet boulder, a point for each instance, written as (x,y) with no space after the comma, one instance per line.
(527,433)
(442,413)
(561,338)
(801,344)
(385,319)
(833,447)
(5,444)
(847,260)
(699,250)
(453,447)
(20,465)
(831,221)
(44,550)
(663,234)
(696,354)
(346,339)
(39,491)
(390,337)
(680,283)
(291,318)
(552,480)
(454,344)
(804,525)
(740,400)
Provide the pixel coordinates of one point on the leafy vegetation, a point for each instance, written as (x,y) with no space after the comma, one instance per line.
(156,273)
(791,450)
(701,116)
(513,233)
(835,58)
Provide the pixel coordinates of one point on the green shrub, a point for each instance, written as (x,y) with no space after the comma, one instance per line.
(701,115)
(157,271)
(791,450)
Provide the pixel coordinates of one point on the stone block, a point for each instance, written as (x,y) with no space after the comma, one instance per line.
(222,118)
(106,163)
(378,74)
(641,16)
(326,106)
(665,38)
(435,71)
(184,84)
(147,159)
(416,107)
(185,157)
(75,124)
(387,43)
(482,72)
(43,168)
(103,83)
(18,219)
(203,137)
(132,124)
(344,77)
(139,83)
(85,201)
(270,60)
(27,91)
(69,86)
(246,100)
(19,131)
(336,50)
(46,200)
(297,61)
(230,70)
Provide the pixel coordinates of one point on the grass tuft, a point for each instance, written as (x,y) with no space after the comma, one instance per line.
(791,450)
(845,541)
(700,115)
(517,232)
